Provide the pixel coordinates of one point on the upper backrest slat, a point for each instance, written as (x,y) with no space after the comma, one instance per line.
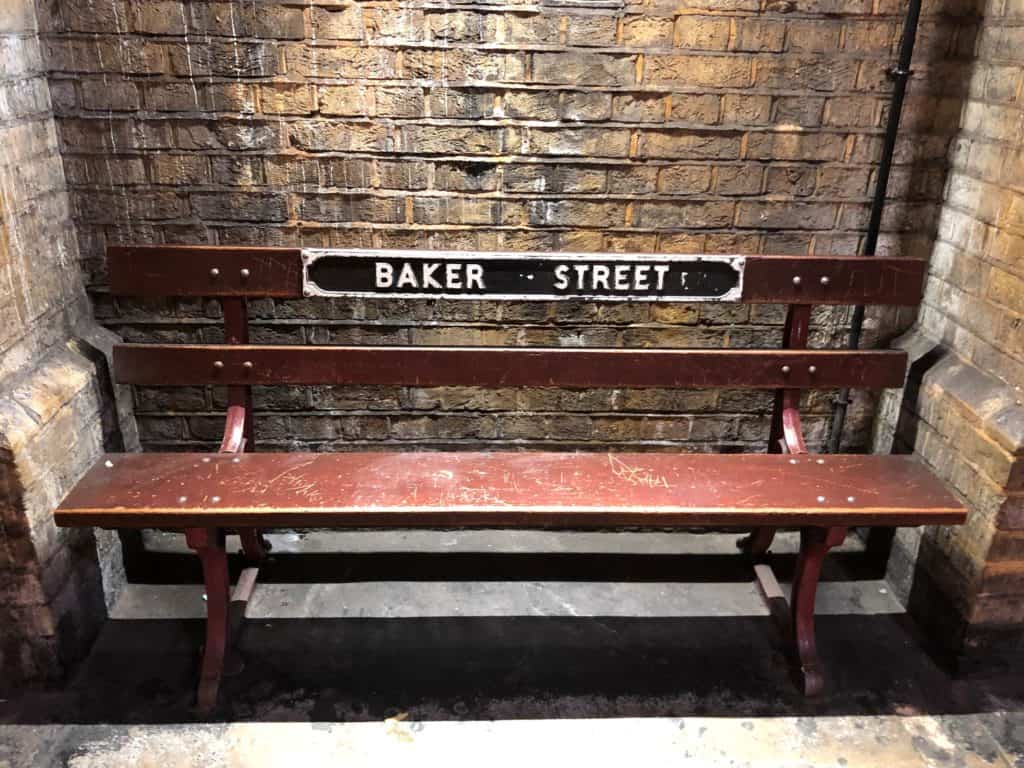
(242,364)
(279,272)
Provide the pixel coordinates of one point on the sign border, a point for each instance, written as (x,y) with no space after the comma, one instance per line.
(311,255)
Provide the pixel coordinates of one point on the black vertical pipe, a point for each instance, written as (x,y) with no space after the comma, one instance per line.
(900,74)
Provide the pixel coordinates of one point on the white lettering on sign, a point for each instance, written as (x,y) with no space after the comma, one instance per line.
(599,277)
(453,276)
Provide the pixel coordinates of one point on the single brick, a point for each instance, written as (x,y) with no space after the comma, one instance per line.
(114,95)
(637,180)
(306,61)
(709,71)
(746,110)
(707,33)
(579,68)
(346,100)
(341,23)
(684,179)
(553,178)
(739,179)
(333,207)
(596,142)
(240,206)
(286,99)
(466,177)
(689,145)
(461,64)
(402,174)
(807,147)
(816,36)
(798,180)
(814,73)
(237,171)
(786,215)
(430,139)
(799,110)
(454,102)
(531,105)
(398,102)
(759,35)
(455,27)
(324,135)
(639,107)
(158,17)
(230,19)
(683,215)
(584,106)
(695,108)
(179,169)
(647,32)
(591,30)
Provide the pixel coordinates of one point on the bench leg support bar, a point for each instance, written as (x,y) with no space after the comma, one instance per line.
(209,545)
(814,545)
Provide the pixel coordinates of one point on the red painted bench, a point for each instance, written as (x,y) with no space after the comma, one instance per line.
(236,489)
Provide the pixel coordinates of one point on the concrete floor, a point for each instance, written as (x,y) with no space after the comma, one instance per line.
(416,651)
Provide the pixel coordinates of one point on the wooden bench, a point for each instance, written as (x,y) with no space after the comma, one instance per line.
(236,489)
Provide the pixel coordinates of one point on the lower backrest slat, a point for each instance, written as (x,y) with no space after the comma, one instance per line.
(158,364)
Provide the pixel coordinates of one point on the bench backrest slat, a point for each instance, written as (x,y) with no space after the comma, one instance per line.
(278,272)
(158,364)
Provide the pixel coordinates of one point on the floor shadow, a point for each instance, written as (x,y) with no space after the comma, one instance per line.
(332,567)
(143,671)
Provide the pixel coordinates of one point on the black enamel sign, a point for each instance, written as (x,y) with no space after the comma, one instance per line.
(521,276)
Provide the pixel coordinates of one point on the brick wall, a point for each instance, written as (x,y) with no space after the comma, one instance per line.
(606,125)
(52,408)
(965,411)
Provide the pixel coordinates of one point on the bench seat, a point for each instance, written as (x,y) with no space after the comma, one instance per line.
(506,489)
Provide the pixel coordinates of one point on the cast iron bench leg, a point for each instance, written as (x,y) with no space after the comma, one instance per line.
(814,545)
(757,542)
(254,546)
(209,545)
